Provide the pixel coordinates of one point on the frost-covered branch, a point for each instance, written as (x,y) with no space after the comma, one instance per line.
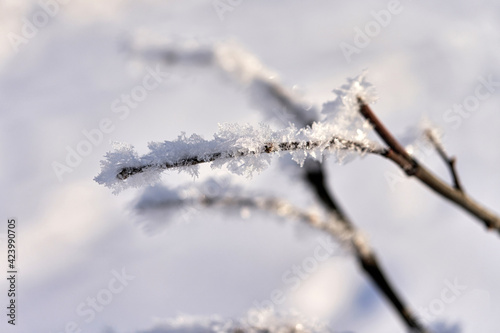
(241,147)
(159,198)
(342,127)
(413,168)
(336,225)
(266,148)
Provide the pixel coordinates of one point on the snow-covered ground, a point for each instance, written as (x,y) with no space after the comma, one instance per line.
(65,69)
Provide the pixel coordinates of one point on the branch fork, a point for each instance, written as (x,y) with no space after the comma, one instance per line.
(454,193)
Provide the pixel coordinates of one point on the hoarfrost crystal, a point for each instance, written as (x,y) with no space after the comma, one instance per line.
(245,150)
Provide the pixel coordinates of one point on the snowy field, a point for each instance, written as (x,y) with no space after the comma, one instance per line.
(88,262)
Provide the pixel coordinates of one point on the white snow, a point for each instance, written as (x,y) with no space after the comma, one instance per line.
(74,233)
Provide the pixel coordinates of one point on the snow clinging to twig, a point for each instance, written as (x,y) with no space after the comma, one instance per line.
(242,148)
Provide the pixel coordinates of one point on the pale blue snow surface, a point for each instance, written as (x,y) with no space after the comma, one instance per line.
(66,77)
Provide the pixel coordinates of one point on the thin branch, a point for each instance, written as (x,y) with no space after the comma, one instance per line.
(413,168)
(270,147)
(365,255)
(337,226)
(314,174)
(366,258)
(450,161)
(279,207)
(315,177)
(386,136)
(272,93)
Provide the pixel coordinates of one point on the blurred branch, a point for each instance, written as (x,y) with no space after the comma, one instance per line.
(450,161)
(315,177)
(337,225)
(279,207)
(365,255)
(241,66)
(412,168)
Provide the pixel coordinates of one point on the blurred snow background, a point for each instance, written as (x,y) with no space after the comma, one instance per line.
(74,235)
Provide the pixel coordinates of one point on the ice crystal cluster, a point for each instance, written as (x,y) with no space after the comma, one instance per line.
(245,149)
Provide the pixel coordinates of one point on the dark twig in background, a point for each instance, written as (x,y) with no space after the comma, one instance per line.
(450,161)
(364,254)
(314,175)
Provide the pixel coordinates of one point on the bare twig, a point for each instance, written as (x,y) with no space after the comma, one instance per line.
(450,161)
(413,168)
(387,137)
